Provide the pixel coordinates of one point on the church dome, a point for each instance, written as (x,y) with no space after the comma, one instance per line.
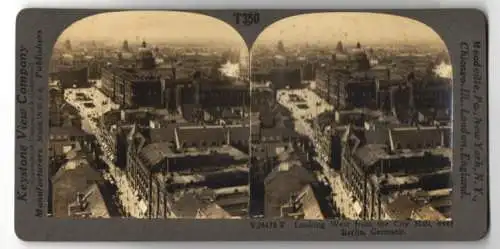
(145,57)
(145,53)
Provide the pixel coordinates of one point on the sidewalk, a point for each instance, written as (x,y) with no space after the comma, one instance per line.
(129,200)
(342,197)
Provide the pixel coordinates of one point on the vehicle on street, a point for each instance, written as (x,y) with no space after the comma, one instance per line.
(89,105)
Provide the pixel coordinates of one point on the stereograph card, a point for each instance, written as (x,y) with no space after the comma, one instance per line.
(159,125)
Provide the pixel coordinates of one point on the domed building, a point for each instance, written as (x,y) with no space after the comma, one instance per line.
(359,59)
(145,57)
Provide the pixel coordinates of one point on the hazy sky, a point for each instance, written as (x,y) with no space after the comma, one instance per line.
(153,26)
(329,28)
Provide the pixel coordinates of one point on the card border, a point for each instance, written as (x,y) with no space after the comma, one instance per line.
(453,25)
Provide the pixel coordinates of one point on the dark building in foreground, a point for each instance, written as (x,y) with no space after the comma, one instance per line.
(71,77)
(79,191)
(284,183)
(285,77)
(65,139)
(379,167)
(186,161)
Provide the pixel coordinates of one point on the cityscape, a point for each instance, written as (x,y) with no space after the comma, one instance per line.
(169,115)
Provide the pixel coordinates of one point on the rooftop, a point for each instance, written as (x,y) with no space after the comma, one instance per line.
(401,208)
(371,153)
(93,204)
(201,177)
(76,176)
(154,153)
(67,131)
(213,211)
(428,212)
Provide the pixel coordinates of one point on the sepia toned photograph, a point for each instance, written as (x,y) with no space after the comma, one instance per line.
(170,115)
(149,118)
(354,119)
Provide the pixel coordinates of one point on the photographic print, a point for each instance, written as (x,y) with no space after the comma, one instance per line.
(159,115)
(354,111)
(149,118)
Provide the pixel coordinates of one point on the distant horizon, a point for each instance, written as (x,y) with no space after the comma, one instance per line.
(152,26)
(269,44)
(350,28)
(163,27)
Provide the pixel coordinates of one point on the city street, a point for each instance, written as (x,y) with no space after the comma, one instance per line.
(309,105)
(92,104)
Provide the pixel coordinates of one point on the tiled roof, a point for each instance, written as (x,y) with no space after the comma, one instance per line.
(213,211)
(310,204)
(371,153)
(427,212)
(287,171)
(401,208)
(68,131)
(208,134)
(187,205)
(74,177)
(163,134)
(418,137)
(154,153)
(96,205)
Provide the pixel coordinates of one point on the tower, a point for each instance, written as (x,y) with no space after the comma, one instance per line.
(67,45)
(196,85)
(125,46)
(281,47)
(145,58)
(339,48)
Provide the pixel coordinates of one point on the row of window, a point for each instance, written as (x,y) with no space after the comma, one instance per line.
(428,145)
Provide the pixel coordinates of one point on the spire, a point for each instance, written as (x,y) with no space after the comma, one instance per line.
(281,46)
(125,46)
(340,47)
(67,45)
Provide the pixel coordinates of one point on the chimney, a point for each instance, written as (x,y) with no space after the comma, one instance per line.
(357,142)
(122,115)
(79,199)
